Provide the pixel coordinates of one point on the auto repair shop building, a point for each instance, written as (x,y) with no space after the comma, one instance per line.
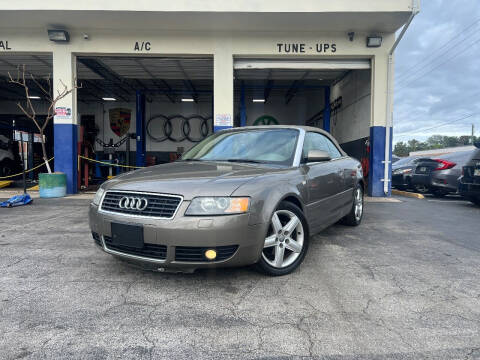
(171,72)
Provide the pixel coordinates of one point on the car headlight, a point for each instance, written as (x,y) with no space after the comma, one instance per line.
(218,205)
(98,196)
(403,171)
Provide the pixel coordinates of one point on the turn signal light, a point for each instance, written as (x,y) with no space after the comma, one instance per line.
(444,164)
(210,254)
(238,205)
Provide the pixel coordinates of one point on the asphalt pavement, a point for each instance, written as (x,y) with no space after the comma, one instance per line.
(403,285)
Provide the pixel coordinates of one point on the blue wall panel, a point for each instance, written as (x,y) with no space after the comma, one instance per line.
(141,129)
(326,110)
(65,148)
(377,156)
(218,128)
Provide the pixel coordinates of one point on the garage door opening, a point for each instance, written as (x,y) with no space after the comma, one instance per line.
(333,95)
(15,128)
(173,95)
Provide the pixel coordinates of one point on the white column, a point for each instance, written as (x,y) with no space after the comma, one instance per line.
(223,86)
(65,73)
(65,122)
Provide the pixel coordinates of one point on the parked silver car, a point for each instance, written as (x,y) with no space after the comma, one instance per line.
(250,195)
(439,176)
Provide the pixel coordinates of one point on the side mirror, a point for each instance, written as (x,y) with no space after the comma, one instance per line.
(317,156)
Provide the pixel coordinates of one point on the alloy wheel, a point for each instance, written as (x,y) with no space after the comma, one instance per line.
(358,204)
(284,242)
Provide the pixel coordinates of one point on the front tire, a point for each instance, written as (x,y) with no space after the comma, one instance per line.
(6,167)
(286,242)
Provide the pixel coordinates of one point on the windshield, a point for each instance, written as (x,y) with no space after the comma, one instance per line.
(256,146)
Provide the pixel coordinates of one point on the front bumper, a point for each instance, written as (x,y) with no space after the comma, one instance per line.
(469,189)
(400,180)
(185,232)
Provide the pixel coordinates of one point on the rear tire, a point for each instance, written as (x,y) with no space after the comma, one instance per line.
(439,193)
(286,242)
(422,189)
(355,216)
(474,200)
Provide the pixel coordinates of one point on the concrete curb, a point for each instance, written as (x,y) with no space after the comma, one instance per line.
(407,194)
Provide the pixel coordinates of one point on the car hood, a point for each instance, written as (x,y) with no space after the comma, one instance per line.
(190,179)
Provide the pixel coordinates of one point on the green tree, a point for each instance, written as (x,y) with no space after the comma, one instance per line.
(401,149)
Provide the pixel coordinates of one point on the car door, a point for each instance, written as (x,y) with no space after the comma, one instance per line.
(324,181)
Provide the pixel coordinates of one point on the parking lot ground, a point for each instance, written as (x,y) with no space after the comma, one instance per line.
(403,285)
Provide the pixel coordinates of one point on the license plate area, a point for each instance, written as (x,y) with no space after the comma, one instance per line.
(127,235)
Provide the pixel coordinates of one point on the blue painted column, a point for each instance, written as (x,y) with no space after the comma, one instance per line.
(243,108)
(141,129)
(377,158)
(65,151)
(326,110)
(65,129)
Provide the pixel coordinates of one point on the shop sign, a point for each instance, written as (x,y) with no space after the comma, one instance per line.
(120,120)
(142,46)
(303,48)
(4,45)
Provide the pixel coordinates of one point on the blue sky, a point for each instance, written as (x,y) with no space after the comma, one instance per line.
(437,72)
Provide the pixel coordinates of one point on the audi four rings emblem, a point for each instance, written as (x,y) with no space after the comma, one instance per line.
(133,203)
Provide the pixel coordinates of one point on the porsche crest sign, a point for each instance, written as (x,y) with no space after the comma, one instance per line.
(120,120)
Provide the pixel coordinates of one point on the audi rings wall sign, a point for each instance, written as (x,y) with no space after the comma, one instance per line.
(133,203)
(184,126)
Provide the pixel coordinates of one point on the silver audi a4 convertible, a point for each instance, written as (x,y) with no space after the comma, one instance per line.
(251,195)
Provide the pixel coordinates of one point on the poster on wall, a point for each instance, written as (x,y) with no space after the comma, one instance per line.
(63,113)
(223,120)
(120,120)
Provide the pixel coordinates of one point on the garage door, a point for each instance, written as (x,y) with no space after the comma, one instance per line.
(345,64)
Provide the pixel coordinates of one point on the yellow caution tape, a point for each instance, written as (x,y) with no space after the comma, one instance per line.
(80,157)
(27,171)
(109,164)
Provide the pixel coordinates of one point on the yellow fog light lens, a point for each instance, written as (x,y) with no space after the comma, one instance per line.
(210,254)
(238,205)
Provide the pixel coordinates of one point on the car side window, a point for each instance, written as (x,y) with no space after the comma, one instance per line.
(317,141)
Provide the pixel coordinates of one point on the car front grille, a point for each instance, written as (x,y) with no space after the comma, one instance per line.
(160,206)
(196,254)
(153,251)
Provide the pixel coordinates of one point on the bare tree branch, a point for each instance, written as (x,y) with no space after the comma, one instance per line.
(29,109)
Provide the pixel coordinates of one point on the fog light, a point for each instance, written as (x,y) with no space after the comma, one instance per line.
(210,254)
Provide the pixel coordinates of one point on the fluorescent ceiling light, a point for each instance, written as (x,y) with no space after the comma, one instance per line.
(34,97)
(109,99)
(58,35)
(259,100)
(374,41)
(187,100)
